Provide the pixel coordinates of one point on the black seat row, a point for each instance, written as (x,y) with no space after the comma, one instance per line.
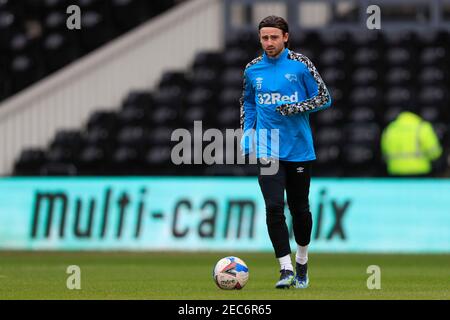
(35,40)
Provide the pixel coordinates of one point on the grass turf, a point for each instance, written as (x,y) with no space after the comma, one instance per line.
(188,276)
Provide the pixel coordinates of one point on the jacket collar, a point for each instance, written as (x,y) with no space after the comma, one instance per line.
(283,55)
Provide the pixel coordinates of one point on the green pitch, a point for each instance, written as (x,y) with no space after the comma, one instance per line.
(40,275)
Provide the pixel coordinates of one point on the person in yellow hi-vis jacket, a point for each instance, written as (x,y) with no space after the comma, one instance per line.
(409,146)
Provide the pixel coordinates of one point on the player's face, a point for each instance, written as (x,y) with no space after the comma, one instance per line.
(272,40)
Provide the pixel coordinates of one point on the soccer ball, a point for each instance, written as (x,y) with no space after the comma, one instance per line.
(230,273)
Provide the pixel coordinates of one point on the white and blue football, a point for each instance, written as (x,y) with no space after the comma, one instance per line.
(230,273)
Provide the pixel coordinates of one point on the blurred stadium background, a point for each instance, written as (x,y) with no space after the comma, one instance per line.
(86,118)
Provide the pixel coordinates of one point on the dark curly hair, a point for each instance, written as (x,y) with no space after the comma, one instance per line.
(275,22)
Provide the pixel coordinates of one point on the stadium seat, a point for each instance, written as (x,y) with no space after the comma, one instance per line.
(362,114)
(4,4)
(334,38)
(432,75)
(232,78)
(242,39)
(200,96)
(173,79)
(133,136)
(333,76)
(94,31)
(368,38)
(338,95)
(328,162)
(103,119)
(61,154)
(402,38)
(208,59)
(91,161)
(40,26)
(433,95)
(228,117)
(331,135)
(331,57)
(397,57)
(431,113)
(157,160)
(19,44)
(158,155)
(55,21)
(360,160)
(57,4)
(99,137)
(366,56)
(125,161)
(132,116)
(399,96)
(333,116)
(24,70)
(30,162)
(168,96)
(8,26)
(128,13)
(205,77)
(229,96)
(160,136)
(309,39)
(224,170)
(164,115)
(69,139)
(399,76)
(142,99)
(391,113)
(365,76)
(236,58)
(435,56)
(57,51)
(58,169)
(365,96)
(363,133)
(198,112)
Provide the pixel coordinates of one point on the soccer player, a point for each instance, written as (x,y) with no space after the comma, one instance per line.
(281,89)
